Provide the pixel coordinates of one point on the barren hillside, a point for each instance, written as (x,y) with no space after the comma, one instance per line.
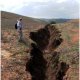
(15,55)
(9,20)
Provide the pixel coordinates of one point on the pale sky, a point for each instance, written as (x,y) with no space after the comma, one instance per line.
(42,8)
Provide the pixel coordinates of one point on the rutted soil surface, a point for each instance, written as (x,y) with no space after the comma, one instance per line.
(40,68)
(15,55)
(13,67)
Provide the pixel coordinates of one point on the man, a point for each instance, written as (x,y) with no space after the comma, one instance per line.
(19,29)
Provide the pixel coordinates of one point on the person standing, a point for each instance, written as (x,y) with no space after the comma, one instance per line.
(19,29)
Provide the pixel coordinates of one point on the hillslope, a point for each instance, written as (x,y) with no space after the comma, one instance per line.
(14,55)
(9,19)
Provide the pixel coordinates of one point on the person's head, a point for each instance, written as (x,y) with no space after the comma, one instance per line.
(20,19)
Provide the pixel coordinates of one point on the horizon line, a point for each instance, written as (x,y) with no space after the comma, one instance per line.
(35,17)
